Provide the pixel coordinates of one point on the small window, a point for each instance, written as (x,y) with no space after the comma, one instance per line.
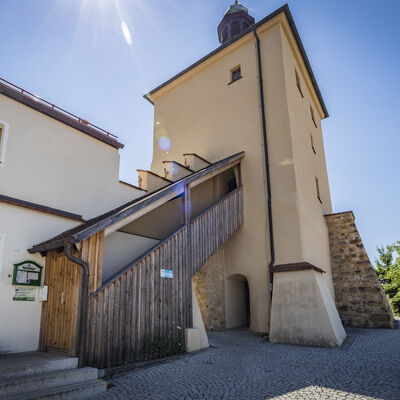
(3,141)
(313,116)
(298,83)
(318,193)
(236,74)
(312,143)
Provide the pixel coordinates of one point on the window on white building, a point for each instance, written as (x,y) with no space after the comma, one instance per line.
(3,141)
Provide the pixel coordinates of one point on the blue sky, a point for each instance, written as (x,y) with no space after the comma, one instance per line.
(74,54)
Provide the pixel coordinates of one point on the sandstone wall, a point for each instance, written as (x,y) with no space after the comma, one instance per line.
(359,296)
(209,287)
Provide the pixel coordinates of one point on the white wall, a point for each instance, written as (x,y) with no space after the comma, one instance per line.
(122,248)
(20,229)
(48,163)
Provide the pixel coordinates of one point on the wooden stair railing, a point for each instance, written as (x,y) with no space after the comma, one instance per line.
(139,315)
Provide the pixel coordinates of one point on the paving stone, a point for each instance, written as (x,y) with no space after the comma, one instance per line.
(243,366)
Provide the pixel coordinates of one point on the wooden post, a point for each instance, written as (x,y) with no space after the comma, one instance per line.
(189,257)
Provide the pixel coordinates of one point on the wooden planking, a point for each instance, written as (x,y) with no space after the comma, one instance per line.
(92,253)
(214,226)
(59,313)
(138,306)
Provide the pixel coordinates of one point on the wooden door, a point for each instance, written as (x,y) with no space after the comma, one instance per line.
(60,312)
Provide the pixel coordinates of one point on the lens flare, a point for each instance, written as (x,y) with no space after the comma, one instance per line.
(126,33)
(164,143)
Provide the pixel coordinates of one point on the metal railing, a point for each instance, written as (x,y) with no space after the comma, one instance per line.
(56,108)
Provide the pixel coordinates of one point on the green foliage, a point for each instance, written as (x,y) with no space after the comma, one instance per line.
(162,346)
(388,271)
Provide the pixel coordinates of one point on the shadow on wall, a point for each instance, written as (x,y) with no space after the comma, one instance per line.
(237,299)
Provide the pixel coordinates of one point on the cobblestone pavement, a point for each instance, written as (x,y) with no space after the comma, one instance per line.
(243,366)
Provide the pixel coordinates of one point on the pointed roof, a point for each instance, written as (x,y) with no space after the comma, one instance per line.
(236,7)
(284,9)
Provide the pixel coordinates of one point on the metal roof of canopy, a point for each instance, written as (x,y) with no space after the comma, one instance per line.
(125,213)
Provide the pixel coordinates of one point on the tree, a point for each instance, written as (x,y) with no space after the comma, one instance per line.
(388,271)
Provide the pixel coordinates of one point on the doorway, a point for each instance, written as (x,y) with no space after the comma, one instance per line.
(238,312)
(59,313)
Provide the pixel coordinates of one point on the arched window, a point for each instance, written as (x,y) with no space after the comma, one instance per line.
(225,34)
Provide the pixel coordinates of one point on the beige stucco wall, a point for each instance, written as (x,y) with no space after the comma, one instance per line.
(201,113)
(307,165)
(303,311)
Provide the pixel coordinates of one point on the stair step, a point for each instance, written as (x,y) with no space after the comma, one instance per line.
(24,384)
(23,364)
(75,391)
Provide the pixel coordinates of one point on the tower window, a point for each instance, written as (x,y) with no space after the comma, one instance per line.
(235,28)
(236,74)
(225,34)
(312,143)
(318,192)
(313,116)
(298,83)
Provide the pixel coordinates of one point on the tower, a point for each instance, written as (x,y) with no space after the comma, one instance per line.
(236,20)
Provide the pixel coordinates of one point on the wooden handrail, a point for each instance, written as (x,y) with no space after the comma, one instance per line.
(137,309)
(135,262)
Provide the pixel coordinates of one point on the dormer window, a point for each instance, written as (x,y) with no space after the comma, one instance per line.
(236,74)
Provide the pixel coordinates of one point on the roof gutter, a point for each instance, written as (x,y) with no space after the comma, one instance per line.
(266,156)
(83,301)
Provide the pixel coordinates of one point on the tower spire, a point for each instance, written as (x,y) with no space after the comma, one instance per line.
(236,20)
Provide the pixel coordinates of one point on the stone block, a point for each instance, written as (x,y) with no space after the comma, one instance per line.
(359,296)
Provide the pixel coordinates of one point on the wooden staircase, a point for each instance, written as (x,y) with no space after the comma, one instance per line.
(137,313)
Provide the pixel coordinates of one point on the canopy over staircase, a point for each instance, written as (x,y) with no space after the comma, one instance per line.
(144,310)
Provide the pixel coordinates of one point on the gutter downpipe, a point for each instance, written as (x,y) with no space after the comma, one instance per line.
(83,301)
(267,170)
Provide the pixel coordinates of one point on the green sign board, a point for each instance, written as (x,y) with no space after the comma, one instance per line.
(27,273)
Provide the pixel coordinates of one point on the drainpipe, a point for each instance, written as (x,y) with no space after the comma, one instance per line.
(264,132)
(83,301)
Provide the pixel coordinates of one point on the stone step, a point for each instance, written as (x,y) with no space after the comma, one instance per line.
(23,364)
(25,384)
(75,391)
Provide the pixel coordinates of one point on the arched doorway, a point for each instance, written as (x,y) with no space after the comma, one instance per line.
(237,297)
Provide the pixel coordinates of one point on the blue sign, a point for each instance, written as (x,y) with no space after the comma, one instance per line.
(167,273)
